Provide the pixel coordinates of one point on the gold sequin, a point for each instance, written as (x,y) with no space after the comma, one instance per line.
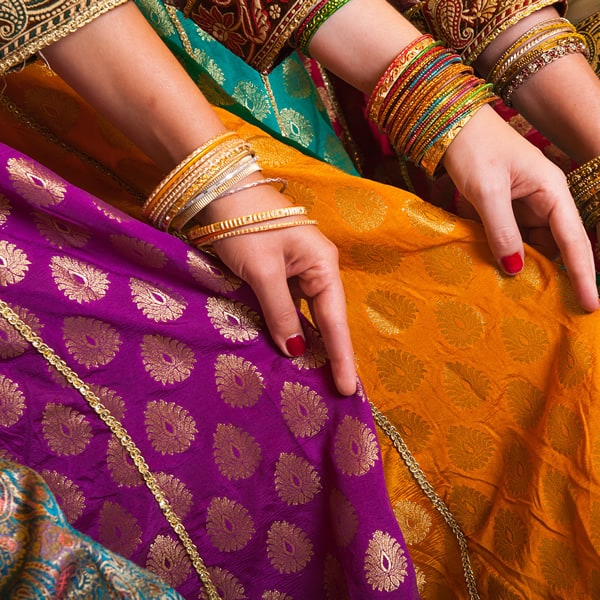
(469,448)
(519,474)
(77,280)
(296,480)
(66,430)
(35,183)
(574,362)
(60,233)
(228,524)
(12,402)
(466,387)
(170,428)
(5,210)
(120,466)
(14,264)
(390,313)
(68,494)
(156,303)
(448,265)
(179,497)
(237,454)
(212,276)
(167,360)
(510,536)
(288,547)
(385,563)
(227,584)
(362,209)
(343,518)
(118,529)
(523,340)
(525,402)
(460,324)
(355,447)
(564,429)
(233,320)
(470,507)
(303,409)
(414,521)
(141,252)
(167,559)
(399,371)
(558,564)
(90,342)
(238,381)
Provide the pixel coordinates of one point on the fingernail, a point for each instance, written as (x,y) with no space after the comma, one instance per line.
(295,345)
(512,264)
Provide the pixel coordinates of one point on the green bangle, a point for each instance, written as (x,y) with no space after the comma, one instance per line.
(313,25)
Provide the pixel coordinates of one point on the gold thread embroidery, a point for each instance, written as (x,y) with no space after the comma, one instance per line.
(296,480)
(12,402)
(228,524)
(288,547)
(237,454)
(66,431)
(14,263)
(170,428)
(77,280)
(92,343)
(385,562)
(303,410)
(239,382)
(167,360)
(70,498)
(35,183)
(167,559)
(355,450)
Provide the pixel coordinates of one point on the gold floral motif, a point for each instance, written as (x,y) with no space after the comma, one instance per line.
(303,409)
(524,341)
(448,265)
(60,233)
(497,589)
(399,371)
(90,342)
(414,428)
(66,431)
(158,17)
(252,98)
(227,584)
(363,209)
(288,547)
(110,212)
(315,355)
(35,183)
(296,81)
(414,521)
(296,126)
(228,524)
(238,381)
(167,360)
(120,466)
(296,480)
(118,529)
(385,562)
(233,320)
(574,362)
(526,403)
(355,450)
(14,264)
(237,454)
(208,63)
(510,536)
(558,564)
(376,259)
(111,400)
(52,107)
(170,428)
(466,387)
(167,559)
(470,507)
(421,580)
(5,209)
(564,429)
(212,276)
(558,496)
(468,448)
(519,473)
(390,313)
(301,195)
(521,286)
(12,402)
(179,497)
(343,518)
(428,219)
(460,324)
(141,252)
(155,303)
(275,595)
(67,493)
(336,587)
(77,280)
(272,154)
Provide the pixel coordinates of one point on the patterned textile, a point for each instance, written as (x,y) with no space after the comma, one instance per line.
(44,557)
(488,382)
(268,469)
(590,29)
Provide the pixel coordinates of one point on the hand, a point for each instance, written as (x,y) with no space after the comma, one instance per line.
(299,257)
(511,184)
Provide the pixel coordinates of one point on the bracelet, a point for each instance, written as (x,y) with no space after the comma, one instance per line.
(253,184)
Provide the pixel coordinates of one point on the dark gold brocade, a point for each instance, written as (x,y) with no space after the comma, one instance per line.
(590,29)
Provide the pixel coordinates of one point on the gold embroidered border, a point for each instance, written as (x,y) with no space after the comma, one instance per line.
(590,29)
(124,438)
(413,466)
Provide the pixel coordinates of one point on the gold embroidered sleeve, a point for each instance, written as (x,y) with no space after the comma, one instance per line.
(28,26)
(468,26)
(590,29)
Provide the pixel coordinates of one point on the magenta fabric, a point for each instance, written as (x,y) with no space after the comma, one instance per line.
(277,478)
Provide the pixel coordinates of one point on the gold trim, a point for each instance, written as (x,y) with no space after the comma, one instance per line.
(124,438)
(271,95)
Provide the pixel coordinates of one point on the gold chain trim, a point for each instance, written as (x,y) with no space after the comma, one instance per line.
(417,473)
(271,95)
(121,434)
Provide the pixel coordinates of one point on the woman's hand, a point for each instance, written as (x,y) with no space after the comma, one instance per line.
(273,263)
(516,191)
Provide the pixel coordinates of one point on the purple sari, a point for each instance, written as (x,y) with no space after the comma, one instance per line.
(277,479)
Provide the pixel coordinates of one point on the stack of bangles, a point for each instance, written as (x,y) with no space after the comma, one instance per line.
(584,184)
(423,100)
(540,45)
(213,171)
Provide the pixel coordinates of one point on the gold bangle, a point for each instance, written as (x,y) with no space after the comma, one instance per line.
(584,171)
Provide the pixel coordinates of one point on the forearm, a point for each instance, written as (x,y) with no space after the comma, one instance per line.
(137,84)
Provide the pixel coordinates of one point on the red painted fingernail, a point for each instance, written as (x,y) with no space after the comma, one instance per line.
(296,346)
(512,264)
